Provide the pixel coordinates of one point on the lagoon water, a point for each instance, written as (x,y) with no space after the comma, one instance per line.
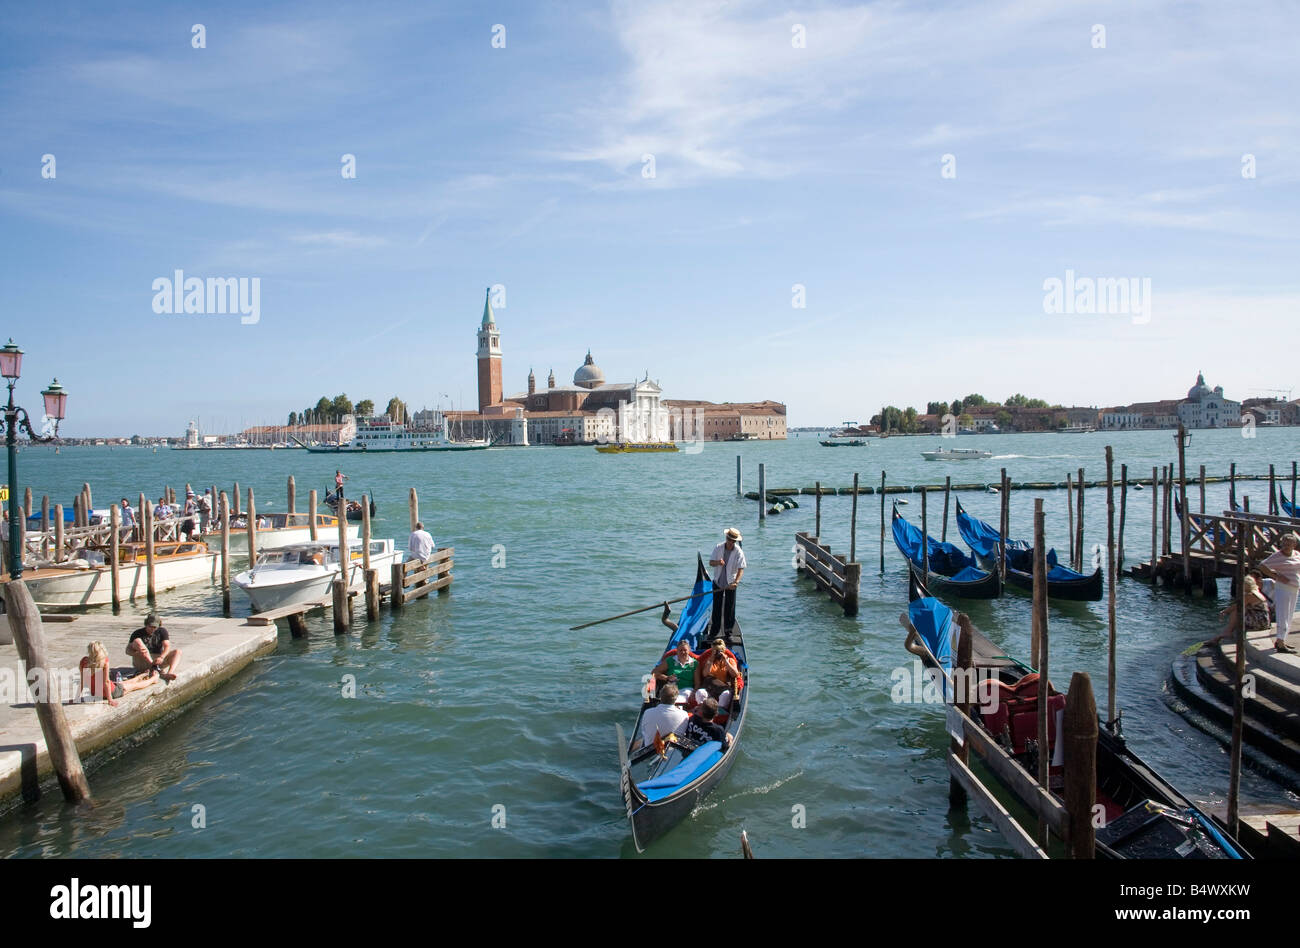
(482,727)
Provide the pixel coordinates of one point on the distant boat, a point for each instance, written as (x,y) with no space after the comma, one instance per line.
(380,436)
(637,447)
(1062,582)
(957,454)
(855,443)
(1077,429)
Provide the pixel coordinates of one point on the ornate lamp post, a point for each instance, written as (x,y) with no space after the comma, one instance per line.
(56,399)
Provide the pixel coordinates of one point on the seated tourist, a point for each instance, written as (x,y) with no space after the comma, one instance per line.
(700,727)
(663,719)
(678,667)
(1257,618)
(95,676)
(150,648)
(716,672)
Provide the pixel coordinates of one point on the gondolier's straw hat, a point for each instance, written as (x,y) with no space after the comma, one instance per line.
(732,533)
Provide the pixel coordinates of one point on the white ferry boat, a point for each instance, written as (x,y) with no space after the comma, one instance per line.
(380,435)
(957,454)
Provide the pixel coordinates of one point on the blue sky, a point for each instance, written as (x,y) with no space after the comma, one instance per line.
(774,165)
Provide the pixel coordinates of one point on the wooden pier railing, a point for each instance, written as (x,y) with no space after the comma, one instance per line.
(836,575)
(416,579)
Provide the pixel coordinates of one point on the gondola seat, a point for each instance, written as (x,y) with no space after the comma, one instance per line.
(695,764)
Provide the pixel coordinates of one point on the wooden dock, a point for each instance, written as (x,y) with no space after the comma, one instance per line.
(212,651)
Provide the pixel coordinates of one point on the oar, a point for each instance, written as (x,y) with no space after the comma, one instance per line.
(624,615)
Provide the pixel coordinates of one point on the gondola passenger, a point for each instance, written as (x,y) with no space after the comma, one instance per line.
(663,719)
(716,672)
(678,667)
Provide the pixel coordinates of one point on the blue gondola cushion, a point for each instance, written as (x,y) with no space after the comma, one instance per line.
(696,763)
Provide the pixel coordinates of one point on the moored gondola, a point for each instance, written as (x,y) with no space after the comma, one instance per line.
(950,568)
(1144,817)
(1062,582)
(664,781)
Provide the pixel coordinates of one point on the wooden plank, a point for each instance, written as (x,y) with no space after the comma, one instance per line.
(1016,778)
(1012,831)
(421,591)
(431,572)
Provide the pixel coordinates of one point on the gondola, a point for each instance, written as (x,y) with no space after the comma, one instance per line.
(354,506)
(663,784)
(950,568)
(1145,816)
(1062,582)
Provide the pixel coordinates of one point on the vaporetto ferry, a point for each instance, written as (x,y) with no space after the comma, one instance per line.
(379,435)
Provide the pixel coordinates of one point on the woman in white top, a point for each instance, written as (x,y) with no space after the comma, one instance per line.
(1283,567)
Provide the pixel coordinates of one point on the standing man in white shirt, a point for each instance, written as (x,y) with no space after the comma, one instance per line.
(421,543)
(729,562)
(1284,568)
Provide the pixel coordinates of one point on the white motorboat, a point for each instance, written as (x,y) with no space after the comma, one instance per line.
(305,572)
(278,530)
(87,581)
(957,454)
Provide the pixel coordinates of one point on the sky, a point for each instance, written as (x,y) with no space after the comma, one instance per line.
(832,205)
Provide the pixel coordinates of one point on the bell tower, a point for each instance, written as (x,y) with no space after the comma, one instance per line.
(490,390)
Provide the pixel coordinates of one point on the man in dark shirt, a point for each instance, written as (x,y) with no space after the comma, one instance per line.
(700,727)
(151,648)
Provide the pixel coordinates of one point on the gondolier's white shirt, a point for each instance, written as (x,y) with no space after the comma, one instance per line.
(421,544)
(733,563)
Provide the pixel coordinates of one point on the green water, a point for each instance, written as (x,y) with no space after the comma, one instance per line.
(480,703)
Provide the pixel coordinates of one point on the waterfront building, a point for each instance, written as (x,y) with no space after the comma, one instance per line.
(697,420)
(1208,408)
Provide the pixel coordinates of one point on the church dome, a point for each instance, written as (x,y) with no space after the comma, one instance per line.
(588,375)
(1200,389)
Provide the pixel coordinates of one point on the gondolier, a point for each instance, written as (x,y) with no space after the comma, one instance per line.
(728,560)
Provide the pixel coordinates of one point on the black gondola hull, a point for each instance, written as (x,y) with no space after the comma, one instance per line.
(990,587)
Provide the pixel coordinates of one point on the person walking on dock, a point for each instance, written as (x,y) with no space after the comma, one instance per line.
(729,559)
(1283,567)
(421,542)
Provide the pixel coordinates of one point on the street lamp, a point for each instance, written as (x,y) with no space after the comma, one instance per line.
(56,399)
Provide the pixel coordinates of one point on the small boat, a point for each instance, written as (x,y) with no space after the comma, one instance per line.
(1062,582)
(637,447)
(663,782)
(88,581)
(304,572)
(1145,817)
(276,530)
(354,506)
(950,568)
(854,443)
(957,454)
(1077,429)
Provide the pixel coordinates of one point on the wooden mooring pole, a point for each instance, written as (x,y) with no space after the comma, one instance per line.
(817,529)
(853,523)
(882,521)
(1183,522)
(413,501)
(1238,692)
(1123,511)
(25,624)
(1078,544)
(1110,585)
(925,542)
(947,489)
(115,525)
(58,533)
(311,514)
(762,492)
(292,492)
(150,589)
(738,493)
(1004,525)
(1273,506)
(1155,522)
(1069,512)
(1202,488)
(1080,726)
(236,495)
(252,530)
(1232,485)
(225,553)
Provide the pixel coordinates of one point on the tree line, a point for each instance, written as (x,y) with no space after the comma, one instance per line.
(330,411)
(905,420)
